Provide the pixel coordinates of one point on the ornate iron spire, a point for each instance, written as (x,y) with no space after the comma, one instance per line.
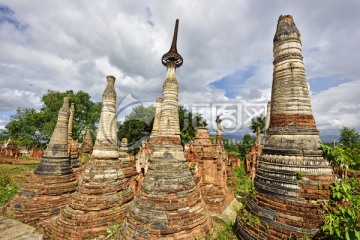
(172,55)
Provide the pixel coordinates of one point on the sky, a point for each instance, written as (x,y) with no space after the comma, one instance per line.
(226,45)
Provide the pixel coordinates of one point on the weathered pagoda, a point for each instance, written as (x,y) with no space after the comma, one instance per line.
(87,144)
(292,173)
(47,190)
(211,159)
(103,195)
(169,203)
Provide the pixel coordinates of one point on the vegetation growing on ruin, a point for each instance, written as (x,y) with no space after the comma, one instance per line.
(342,220)
(343,211)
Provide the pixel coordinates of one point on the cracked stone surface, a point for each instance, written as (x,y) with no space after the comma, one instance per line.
(49,189)
(285,201)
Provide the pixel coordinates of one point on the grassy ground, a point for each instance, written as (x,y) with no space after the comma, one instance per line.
(12,176)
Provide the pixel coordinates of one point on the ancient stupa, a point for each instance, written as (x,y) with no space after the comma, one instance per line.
(73,147)
(212,169)
(87,144)
(169,203)
(48,189)
(102,197)
(292,173)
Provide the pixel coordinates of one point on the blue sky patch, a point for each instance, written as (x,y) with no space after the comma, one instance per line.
(7,17)
(319,84)
(235,83)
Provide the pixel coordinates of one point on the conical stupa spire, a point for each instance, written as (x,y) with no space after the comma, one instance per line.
(55,160)
(103,195)
(292,175)
(48,190)
(169,203)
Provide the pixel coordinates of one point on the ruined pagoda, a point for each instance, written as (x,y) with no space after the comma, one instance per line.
(169,203)
(87,144)
(103,195)
(73,147)
(47,190)
(212,169)
(292,174)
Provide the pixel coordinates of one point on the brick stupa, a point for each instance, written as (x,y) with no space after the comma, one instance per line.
(47,190)
(169,203)
(73,146)
(103,196)
(87,144)
(292,174)
(212,169)
(128,164)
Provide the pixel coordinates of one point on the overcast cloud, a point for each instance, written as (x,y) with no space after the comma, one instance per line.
(226,46)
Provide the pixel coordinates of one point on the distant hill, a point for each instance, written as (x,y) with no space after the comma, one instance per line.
(330,138)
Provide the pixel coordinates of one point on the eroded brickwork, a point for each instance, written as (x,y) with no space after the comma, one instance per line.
(103,195)
(292,175)
(211,159)
(169,203)
(87,144)
(47,190)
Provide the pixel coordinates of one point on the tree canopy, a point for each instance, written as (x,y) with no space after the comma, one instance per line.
(33,128)
(256,122)
(349,137)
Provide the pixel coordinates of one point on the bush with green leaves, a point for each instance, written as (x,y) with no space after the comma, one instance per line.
(342,212)
(8,188)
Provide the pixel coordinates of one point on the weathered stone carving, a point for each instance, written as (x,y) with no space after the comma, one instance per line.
(10,149)
(212,169)
(48,189)
(103,195)
(128,165)
(169,203)
(87,144)
(292,174)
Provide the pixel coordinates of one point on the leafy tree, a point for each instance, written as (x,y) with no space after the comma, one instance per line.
(26,127)
(258,125)
(349,137)
(256,122)
(246,142)
(188,124)
(239,149)
(86,115)
(34,128)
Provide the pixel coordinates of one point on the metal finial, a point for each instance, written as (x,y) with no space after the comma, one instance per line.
(173,55)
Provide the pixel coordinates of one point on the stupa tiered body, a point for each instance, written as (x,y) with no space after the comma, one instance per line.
(211,159)
(103,196)
(292,174)
(49,188)
(169,203)
(128,164)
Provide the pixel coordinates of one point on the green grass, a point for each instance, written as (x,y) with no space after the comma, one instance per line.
(11,178)
(8,189)
(241,183)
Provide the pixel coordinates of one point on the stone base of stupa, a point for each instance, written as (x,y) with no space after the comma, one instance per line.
(102,200)
(169,204)
(41,197)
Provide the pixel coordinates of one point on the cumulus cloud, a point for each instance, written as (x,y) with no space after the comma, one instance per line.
(63,45)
